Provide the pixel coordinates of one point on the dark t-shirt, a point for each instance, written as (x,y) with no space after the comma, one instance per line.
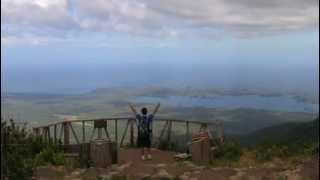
(144,124)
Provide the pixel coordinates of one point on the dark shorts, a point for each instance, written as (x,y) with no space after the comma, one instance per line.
(144,140)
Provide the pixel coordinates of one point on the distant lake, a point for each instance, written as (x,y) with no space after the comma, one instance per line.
(278,103)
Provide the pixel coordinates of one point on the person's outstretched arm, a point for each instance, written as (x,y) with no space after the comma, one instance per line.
(133,109)
(136,115)
(156,109)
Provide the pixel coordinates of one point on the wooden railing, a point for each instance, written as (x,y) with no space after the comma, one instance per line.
(66,128)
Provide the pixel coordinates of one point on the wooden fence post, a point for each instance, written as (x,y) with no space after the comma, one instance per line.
(116,130)
(131,133)
(48,134)
(55,134)
(74,133)
(187,131)
(66,133)
(36,131)
(169,134)
(83,132)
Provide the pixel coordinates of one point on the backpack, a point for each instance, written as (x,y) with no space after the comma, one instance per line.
(144,126)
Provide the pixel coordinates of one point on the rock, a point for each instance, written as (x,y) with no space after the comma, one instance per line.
(183,177)
(187,173)
(146,176)
(76,173)
(182,156)
(197,172)
(105,177)
(199,168)
(124,166)
(113,175)
(162,174)
(189,164)
(161,166)
(142,176)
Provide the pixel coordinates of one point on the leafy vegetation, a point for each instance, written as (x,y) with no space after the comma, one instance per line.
(287,133)
(229,151)
(22,151)
(267,152)
(284,141)
(291,143)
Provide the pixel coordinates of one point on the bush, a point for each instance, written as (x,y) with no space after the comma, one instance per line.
(229,151)
(268,151)
(49,156)
(22,151)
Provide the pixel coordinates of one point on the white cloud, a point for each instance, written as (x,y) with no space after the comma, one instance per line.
(39,13)
(171,18)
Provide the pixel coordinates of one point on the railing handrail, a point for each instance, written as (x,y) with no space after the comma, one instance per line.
(66,129)
(217,122)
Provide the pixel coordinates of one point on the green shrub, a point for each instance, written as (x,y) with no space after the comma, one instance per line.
(229,151)
(268,151)
(49,156)
(22,151)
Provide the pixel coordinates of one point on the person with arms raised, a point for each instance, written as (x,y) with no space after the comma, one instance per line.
(144,130)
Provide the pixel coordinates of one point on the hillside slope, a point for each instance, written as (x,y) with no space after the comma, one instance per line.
(288,133)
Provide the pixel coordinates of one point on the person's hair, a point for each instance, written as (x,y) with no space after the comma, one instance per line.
(144,111)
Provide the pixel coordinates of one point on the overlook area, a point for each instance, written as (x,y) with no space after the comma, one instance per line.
(293,158)
(160,89)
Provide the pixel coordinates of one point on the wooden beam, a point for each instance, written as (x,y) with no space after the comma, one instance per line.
(107,134)
(48,134)
(169,134)
(116,130)
(61,131)
(106,131)
(55,134)
(124,133)
(92,134)
(66,133)
(83,132)
(74,133)
(131,132)
(187,131)
(36,131)
(163,130)
(44,133)
(99,133)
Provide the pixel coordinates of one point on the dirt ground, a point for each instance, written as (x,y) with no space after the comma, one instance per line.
(163,164)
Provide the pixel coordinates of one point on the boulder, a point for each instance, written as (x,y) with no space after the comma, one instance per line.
(182,156)
(123,166)
(162,174)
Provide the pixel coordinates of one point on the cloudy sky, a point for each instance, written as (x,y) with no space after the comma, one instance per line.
(57,32)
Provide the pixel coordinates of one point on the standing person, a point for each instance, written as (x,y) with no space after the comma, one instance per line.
(145,130)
